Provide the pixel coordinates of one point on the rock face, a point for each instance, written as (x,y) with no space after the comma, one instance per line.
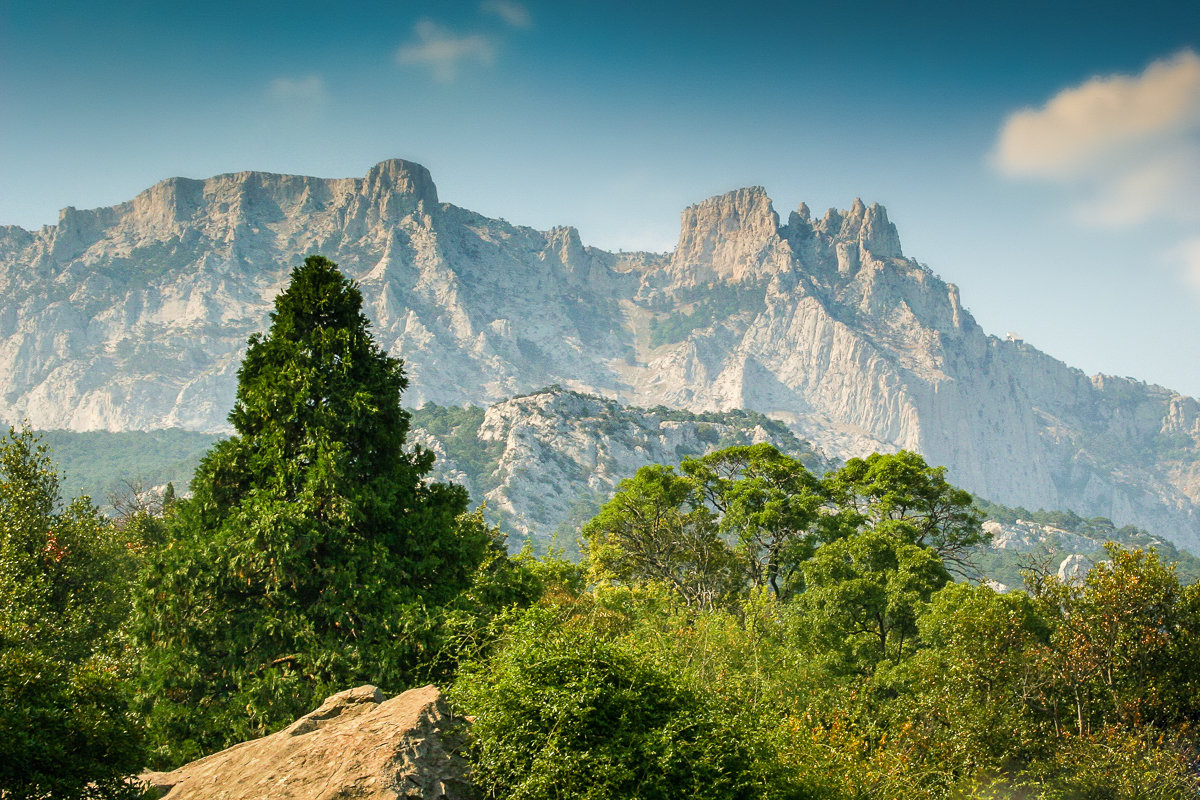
(555,456)
(1026,537)
(357,744)
(136,317)
(1074,568)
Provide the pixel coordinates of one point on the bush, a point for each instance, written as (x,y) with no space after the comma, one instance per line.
(562,712)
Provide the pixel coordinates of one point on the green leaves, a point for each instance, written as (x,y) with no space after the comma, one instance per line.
(865,593)
(657,529)
(770,509)
(751,517)
(901,487)
(64,698)
(562,711)
(313,554)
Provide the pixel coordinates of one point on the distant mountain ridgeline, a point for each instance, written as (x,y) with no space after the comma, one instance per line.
(135,317)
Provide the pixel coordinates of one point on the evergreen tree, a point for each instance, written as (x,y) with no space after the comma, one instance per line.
(312,555)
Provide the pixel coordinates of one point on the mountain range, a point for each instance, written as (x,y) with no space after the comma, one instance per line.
(135,317)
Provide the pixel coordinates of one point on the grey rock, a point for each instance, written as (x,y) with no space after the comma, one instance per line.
(136,317)
(1074,568)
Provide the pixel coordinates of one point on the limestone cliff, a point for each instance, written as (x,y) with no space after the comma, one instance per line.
(136,316)
(551,458)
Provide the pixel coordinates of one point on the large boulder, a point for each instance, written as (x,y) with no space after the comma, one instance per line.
(358,744)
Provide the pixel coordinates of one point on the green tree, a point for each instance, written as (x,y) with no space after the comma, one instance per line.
(769,504)
(65,721)
(1125,642)
(864,594)
(313,554)
(903,488)
(656,528)
(978,681)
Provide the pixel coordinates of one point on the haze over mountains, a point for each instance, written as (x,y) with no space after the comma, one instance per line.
(136,317)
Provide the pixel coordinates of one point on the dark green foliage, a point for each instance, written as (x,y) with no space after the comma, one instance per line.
(565,712)
(65,725)
(312,555)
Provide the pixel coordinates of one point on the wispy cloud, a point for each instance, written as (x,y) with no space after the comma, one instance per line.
(1107,119)
(1129,144)
(1126,147)
(512,13)
(444,51)
(310,89)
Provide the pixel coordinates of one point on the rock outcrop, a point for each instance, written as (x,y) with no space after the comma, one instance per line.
(358,744)
(136,317)
(555,456)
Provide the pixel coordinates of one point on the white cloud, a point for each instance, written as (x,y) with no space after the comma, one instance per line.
(1126,148)
(310,89)
(1128,145)
(1106,120)
(443,51)
(512,13)
(1161,184)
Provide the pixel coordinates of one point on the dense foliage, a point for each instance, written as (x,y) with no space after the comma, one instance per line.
(750,516)
(65,724)
(312,555)
(861,671)
(564,712)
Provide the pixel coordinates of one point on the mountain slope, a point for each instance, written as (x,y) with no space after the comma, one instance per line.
(136,316)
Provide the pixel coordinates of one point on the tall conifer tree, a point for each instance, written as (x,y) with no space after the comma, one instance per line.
(312,548)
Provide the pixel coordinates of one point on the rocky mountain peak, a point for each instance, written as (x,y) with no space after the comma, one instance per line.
(729,238)
(169,203)
(137,315)
(397,176)
(866,226)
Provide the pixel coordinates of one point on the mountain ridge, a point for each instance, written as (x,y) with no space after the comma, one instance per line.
(135,316)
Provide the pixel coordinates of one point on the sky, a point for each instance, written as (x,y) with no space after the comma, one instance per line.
(1044,157)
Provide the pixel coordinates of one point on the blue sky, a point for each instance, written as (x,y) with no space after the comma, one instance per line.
(1043,156)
